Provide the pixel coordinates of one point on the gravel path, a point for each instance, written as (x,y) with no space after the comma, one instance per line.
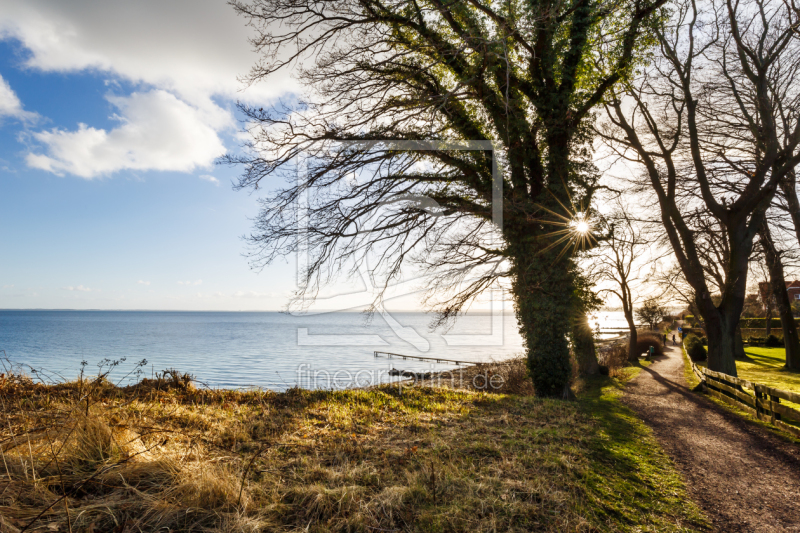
(744,478)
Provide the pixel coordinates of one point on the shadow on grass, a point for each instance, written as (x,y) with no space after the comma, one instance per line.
(630,473)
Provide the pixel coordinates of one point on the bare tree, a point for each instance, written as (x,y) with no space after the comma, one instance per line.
(618,261)
(780,296)
(718,104)
(521,76)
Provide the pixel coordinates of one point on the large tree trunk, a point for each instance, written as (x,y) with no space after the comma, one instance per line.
(739,344)
(721,335)
(583,346)
(543,289)
(784,307)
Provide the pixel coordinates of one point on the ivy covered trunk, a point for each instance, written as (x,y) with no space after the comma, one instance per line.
(583,346)
(543,290)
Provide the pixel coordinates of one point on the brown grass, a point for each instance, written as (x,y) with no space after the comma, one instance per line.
(164,456)
(504,377)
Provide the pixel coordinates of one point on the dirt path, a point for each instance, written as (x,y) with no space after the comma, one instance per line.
(744,478)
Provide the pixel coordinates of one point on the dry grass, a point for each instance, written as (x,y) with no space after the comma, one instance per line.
(164,456)
(504,377)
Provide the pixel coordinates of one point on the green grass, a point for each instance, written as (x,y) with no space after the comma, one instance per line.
(631,473)
(766,366)
(688,373)
(420,459)
(766,369)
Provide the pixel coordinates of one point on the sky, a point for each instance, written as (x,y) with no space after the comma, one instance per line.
(112,115)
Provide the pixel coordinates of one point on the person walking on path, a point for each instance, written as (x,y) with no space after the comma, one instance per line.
(665,340)
(673,340)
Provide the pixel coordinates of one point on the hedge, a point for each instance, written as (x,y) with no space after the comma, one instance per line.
(754,323)
(695,348)
(760,323)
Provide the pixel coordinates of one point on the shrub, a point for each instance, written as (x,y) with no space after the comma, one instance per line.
(704,340)
(759,323)
(695,348)
(613,359)
(773,342)
(643,343)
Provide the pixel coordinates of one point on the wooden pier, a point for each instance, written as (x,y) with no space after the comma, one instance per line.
(423,358)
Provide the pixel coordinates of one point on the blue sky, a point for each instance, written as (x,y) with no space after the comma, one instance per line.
(111,117)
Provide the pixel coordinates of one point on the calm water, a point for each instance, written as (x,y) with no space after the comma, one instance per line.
(270,350)
(267,349)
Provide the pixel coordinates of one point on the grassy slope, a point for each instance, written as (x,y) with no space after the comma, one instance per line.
(361,460)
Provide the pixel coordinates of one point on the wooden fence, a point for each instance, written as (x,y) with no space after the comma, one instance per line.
(759,400)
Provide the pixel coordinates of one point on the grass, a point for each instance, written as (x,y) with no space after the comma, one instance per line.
(768,369)
(162,455)
(766,366)
(688,373)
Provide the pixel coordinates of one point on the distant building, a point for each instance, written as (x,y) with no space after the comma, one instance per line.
(792,287)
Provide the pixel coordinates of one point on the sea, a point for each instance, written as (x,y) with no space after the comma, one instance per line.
(269,350)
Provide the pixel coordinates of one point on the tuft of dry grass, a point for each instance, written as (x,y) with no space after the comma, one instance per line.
(163,455)
(510,376)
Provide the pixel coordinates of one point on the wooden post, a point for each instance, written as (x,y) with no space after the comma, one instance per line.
(758,397)
(775,416)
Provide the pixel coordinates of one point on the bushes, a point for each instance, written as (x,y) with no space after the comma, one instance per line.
(695,348)
(759,323)
(613,360)
(644,341)
(773,342)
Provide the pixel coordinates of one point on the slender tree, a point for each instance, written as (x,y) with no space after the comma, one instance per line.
(706,112)
(524,75)
(780,296)
(618,261)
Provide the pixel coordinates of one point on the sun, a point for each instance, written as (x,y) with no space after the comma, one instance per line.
(573,231)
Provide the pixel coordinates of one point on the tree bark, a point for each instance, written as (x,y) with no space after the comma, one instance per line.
(791,341)
(721,333)
(583,346)
(543,289)
(768,325)
(739,344)
(633,353)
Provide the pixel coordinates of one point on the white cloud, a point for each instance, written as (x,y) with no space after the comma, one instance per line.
(195,51)
(140,282)
(79,288)
(209,178)
(10,106)
(156,132)
(195,48)
(198,282)
(253,294)
(8,286)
